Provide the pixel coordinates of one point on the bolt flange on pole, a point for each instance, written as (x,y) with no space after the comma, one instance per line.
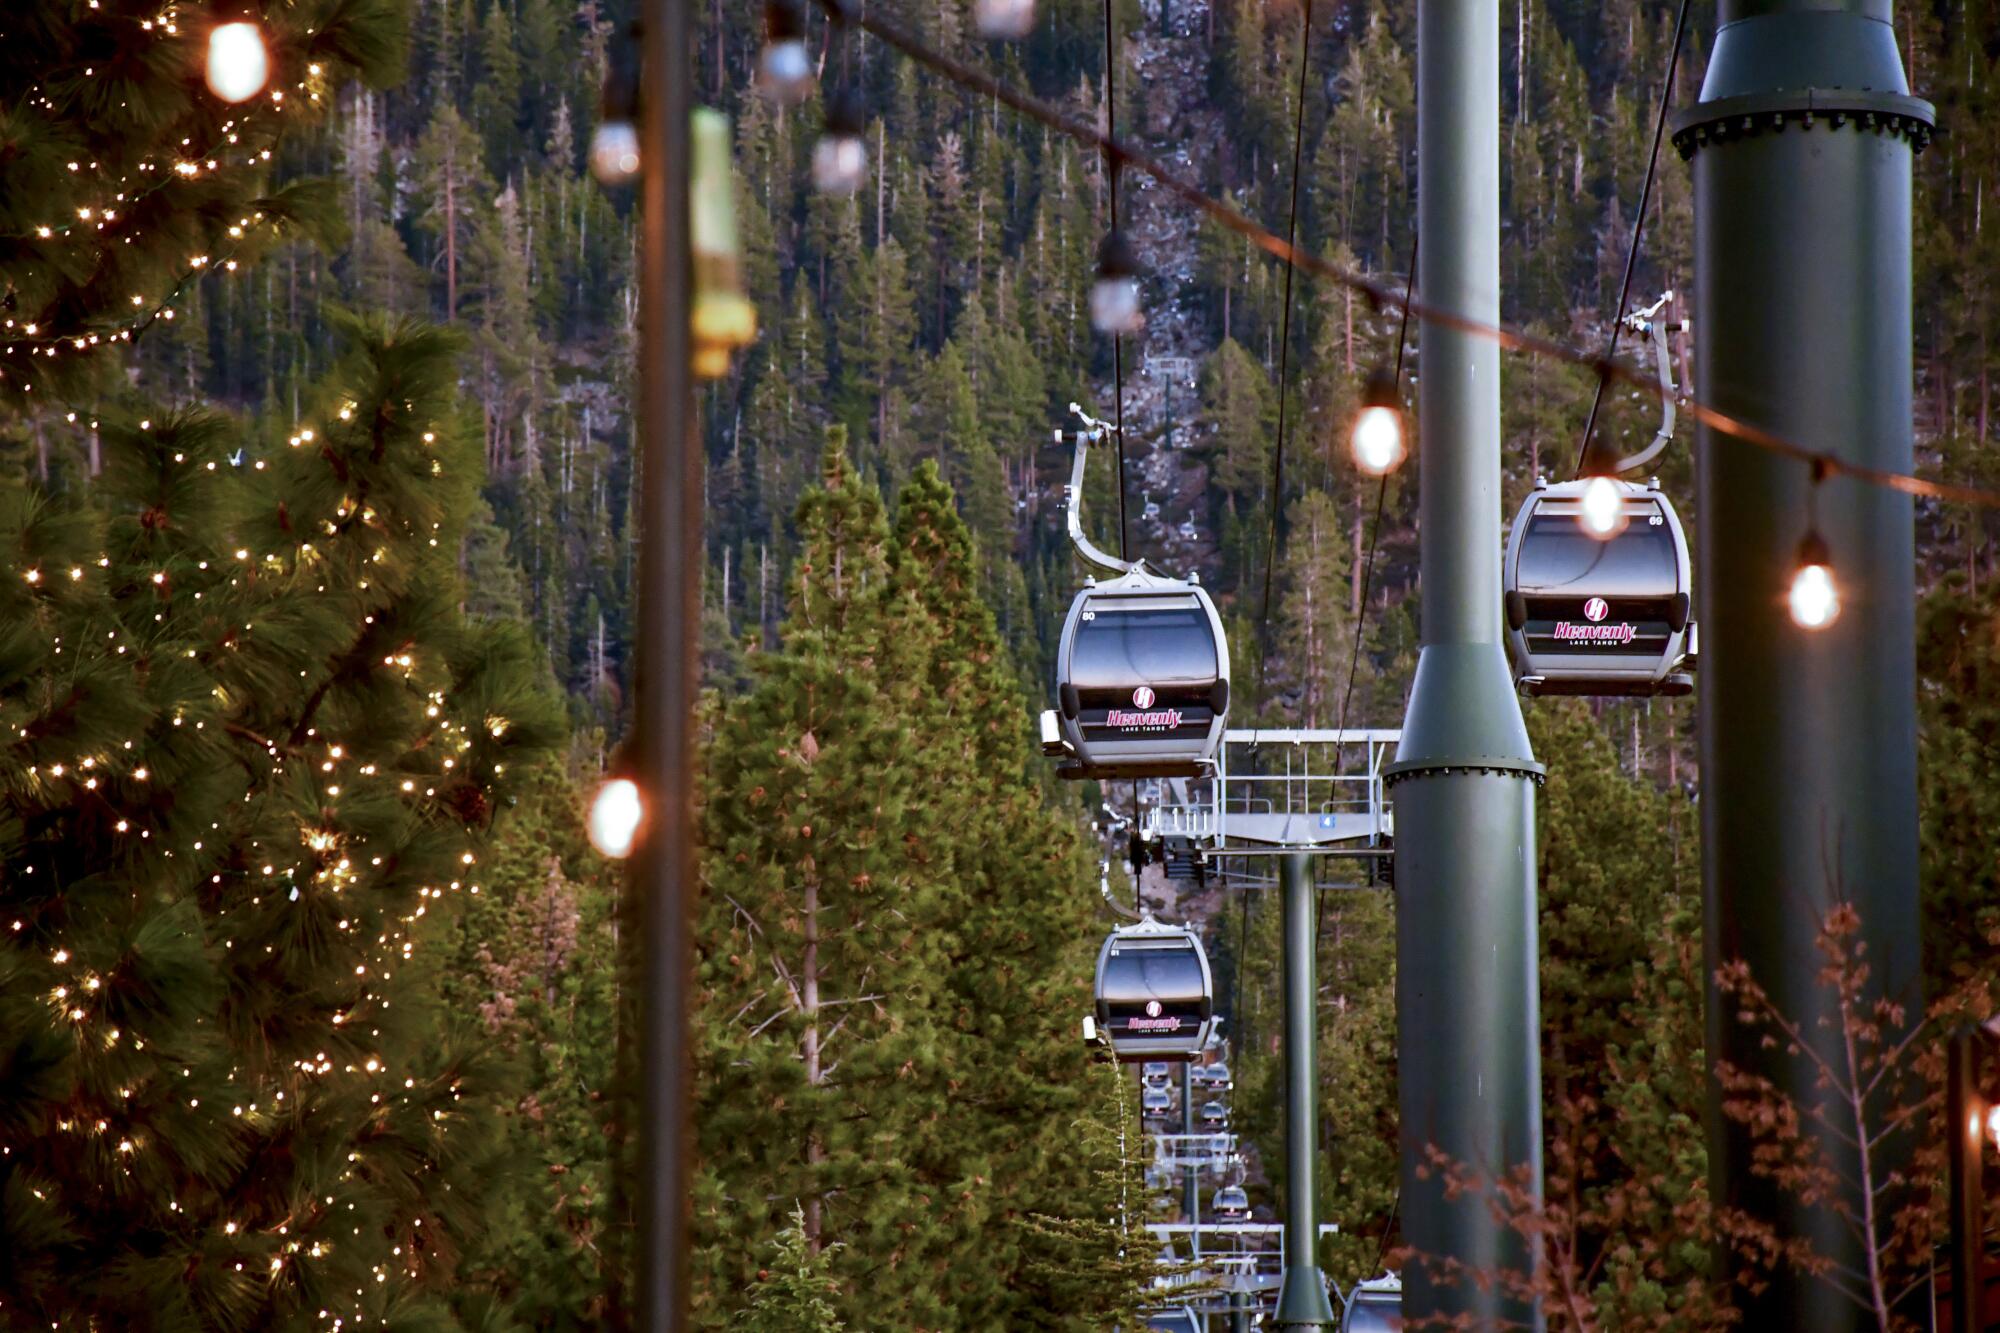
(1302,1301)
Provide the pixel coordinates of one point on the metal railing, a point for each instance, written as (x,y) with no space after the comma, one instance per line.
(1276,790)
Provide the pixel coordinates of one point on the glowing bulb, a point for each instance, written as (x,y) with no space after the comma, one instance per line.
(237,65)
(784,71)
(1993,1124)
(1377,440)
(1004,19)
(1814,597)
(615,813)
(1114,297)
(614,152)
(840,158)
(1601,509)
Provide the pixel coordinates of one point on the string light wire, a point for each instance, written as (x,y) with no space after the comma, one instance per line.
(1509,337)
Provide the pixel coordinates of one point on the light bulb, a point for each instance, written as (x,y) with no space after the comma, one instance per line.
(839,163)
(1004,19)
(1814,597)
(1993,1124)
(237,64)
(784,70)
(1601,509)
(614,152)
(1114,305)
(615,813)
(1377,439)
(840,158)
(1114,297)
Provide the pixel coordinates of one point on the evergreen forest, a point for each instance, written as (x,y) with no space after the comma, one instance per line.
(317,581)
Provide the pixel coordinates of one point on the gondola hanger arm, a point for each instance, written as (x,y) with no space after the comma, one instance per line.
(1647,323)
(1093,429)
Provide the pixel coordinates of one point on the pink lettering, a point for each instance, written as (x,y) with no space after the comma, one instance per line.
(1125,717)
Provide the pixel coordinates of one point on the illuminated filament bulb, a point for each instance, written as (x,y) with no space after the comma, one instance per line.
(1814,597)
(1377,440)
(1601,509)
(615,813)
(238,66)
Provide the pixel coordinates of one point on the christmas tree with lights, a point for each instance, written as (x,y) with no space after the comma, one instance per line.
(253,747)
(142,145)
(252,744)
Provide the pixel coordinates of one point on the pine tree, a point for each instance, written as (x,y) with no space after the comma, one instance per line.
(126,180)
(254,746)
(793,1293)
(821,939)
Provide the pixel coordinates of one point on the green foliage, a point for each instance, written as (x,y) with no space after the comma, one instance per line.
(254,745)
(793,1292)
(882,962)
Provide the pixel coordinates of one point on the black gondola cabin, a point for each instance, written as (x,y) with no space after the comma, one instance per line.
(1599,615)
(1142,680)
(1155,993)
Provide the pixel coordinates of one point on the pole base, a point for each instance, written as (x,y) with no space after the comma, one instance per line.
(1302,1301)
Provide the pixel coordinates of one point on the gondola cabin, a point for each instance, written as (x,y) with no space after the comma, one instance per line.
(1598,591)
(1374,1306)
(1142,680)
(1154,1073)
(1231,1203)
(1155,1103)
(1214,1115)
(1155,993)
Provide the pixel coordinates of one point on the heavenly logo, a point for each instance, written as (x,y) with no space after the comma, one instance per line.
(1597,632)
(1142,714)
(1155,1020)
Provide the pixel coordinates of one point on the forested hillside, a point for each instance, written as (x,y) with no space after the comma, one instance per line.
(887,572)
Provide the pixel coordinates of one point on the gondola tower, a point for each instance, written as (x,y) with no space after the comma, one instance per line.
(1801,148)
(1464,778)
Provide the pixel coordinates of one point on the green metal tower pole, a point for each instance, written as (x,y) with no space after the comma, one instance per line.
(1302,1301)
(1801,147)
(1464,777)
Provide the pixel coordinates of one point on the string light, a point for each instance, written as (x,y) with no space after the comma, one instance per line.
(1600,509)
(1004,20)
(840,158)
(614,144)
(1377,439)
(1114,297)
(238,66)
(784,71)
(615,814)
(1814,596)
